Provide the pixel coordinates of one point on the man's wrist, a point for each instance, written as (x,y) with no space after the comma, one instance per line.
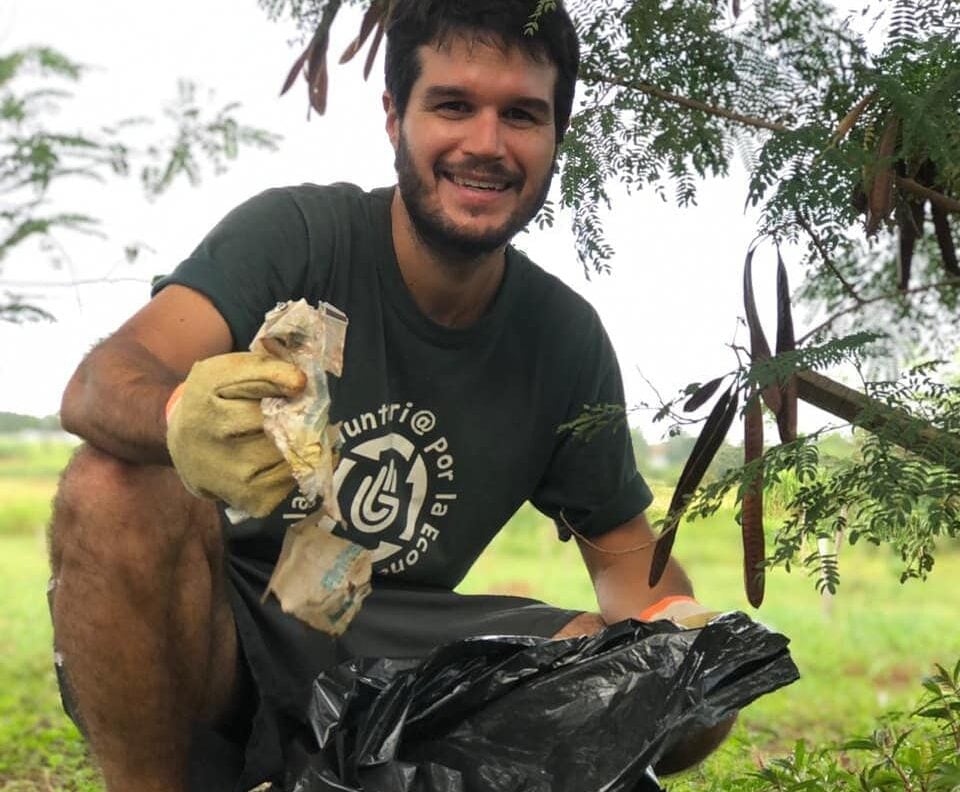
(664,605)
(682,610)
(172,400)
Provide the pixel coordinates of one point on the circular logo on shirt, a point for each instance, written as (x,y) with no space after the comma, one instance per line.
(394,484)
(381,485)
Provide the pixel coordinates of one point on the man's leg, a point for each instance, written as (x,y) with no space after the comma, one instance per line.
(141,616)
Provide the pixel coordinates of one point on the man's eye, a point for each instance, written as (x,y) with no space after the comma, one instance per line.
(453,108)
(520,115)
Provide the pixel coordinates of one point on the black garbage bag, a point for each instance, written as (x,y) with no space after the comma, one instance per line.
(512,713)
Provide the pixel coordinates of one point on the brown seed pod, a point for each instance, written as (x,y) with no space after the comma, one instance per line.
(708,442)
(702,394)
(941,226)
(759,348)
(751,507)
(910,218)
(313,61)
(787,416)
(847,122)
(372,54)
(373,17)
(880,191)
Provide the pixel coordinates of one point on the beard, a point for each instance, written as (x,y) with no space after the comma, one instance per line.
(442,235)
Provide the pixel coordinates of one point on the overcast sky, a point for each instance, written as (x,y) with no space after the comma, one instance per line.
(670,304)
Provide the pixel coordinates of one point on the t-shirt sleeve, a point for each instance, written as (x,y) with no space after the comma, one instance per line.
(592,482)
(257,256)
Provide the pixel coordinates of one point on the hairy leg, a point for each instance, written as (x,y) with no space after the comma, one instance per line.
(141,617)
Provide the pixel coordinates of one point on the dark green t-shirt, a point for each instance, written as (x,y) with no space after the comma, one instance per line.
(446,432)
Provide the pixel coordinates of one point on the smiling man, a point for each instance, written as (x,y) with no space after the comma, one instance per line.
(463,360)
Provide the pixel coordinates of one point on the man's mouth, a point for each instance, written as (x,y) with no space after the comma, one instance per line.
(478,182)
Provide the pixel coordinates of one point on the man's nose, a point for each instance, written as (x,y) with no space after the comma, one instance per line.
(484,136)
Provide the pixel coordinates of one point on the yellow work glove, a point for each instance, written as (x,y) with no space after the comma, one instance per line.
(215,430)
(681,610)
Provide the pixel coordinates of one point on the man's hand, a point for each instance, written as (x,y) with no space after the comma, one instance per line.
(215,430)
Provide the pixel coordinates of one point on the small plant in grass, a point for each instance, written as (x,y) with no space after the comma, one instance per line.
(916,752)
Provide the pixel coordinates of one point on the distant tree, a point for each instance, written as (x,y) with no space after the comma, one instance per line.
(641,448)
(678,448)
(38,153)
(14,422)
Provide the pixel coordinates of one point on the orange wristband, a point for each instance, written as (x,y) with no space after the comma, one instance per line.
(172,400)
(650,613)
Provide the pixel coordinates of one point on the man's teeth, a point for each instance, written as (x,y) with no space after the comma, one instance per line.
(478,185)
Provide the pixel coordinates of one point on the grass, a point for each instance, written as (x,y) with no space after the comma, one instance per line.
(860,654)
(40,749)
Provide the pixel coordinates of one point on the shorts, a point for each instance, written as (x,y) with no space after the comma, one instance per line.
(280,656)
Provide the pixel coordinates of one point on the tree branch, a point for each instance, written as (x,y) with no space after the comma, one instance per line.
(910,433)
(827,260)
(683,101)
(908,185)
(879,298)
(941,200)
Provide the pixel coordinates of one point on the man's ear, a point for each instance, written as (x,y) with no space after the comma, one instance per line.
(393,119)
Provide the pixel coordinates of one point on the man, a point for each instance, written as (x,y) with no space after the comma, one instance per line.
(462,361)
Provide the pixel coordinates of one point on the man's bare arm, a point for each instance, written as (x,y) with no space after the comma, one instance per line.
(619,574)
(115,399)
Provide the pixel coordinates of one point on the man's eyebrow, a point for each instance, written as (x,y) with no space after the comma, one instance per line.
(436,93)
(439,93)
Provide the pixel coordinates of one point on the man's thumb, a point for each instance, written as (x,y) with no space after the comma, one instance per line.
(268,377)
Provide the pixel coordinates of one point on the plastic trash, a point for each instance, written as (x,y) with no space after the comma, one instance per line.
(511,713)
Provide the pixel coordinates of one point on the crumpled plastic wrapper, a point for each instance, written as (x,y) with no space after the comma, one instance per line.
(312,339)
(320,578)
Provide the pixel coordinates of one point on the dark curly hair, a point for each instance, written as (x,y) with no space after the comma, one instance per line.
(501,23)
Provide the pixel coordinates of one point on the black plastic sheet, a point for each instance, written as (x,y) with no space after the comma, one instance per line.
(511,713)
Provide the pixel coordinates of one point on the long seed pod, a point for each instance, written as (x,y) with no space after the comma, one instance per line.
(751,507)
(846,124)
(910,222)
(880,193)
(787,416)
(711,437)
(313,60)
(295,69)
(317,79)
(759,348)
(374,16)
(702,394)
(941,225)
(372,54)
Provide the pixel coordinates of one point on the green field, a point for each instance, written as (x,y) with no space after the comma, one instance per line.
(861,653)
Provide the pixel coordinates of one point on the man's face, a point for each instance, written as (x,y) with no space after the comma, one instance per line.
(475,148)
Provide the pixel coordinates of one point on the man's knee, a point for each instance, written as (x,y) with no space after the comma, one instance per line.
(108,512)
(691,749)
